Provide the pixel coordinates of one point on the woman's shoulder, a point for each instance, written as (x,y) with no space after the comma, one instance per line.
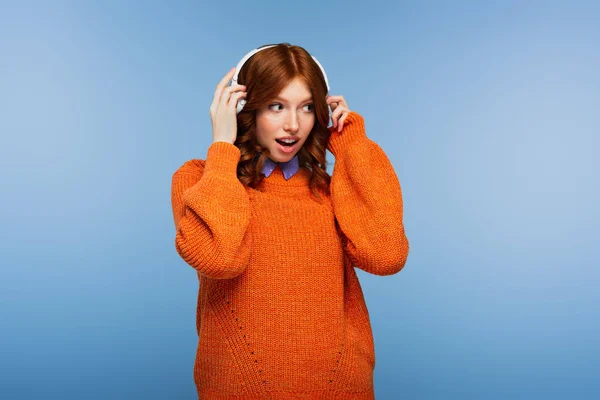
(195,166)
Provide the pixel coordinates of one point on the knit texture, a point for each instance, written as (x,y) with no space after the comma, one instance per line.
(281,313)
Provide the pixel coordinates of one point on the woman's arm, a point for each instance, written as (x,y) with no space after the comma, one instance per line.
(211,211)
(367,200)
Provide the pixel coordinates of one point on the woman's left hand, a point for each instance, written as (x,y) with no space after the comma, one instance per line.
(339,110)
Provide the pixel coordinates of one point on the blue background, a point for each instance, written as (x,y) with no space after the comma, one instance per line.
(488,112)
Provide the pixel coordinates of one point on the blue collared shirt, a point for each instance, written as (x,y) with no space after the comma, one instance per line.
(289,168)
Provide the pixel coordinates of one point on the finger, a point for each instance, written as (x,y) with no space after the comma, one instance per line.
(334,98)
(333,107)
(341,122)
(228,91)
(221,85)
(228,76)
(333,121)
(335,102)
(335,116)
(234,99)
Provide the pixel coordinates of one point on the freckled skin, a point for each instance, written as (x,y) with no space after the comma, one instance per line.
(294,116)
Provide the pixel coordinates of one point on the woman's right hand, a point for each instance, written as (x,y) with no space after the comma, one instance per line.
(223,109)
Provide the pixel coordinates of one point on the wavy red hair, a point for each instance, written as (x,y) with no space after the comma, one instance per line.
(265,75)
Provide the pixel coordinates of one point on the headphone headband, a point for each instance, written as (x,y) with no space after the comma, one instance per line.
(242,102)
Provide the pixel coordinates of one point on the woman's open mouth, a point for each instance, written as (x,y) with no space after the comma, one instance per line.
(287,147)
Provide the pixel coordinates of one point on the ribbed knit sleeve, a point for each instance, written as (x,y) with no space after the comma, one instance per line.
(211,211)
(367,200)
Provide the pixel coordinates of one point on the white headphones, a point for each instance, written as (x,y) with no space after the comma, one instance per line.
(242,102)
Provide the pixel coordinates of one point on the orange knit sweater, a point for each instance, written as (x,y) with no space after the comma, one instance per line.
(281,313)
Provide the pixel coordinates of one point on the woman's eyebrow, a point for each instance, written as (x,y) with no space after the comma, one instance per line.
(285,101)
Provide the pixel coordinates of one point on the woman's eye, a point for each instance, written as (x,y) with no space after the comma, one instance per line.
(278,104)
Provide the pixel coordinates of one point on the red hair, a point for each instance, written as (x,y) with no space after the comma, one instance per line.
(265,75)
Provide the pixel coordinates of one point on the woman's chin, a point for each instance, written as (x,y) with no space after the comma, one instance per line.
(281,158)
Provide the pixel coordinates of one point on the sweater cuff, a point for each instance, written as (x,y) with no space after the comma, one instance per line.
(352,133)
(222,158)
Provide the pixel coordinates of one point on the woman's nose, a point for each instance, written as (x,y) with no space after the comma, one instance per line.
(291,123)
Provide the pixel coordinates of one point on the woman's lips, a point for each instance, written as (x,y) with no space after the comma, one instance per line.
(287,149)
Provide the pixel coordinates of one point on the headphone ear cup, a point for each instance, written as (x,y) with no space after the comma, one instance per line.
(240,105)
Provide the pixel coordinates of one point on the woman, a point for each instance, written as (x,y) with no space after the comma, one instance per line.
(274,239)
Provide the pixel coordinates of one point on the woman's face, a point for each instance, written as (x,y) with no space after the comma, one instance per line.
(291,113)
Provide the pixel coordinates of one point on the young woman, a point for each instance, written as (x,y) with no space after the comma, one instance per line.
(274,239)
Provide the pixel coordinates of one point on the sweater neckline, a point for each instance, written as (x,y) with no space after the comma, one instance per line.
(277,178)
(276,181)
